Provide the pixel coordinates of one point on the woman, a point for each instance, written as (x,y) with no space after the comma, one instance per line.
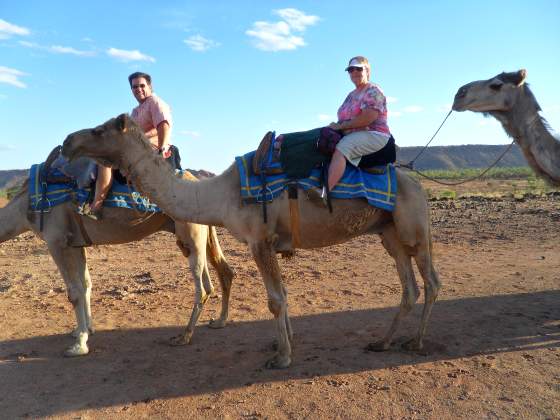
(362,118)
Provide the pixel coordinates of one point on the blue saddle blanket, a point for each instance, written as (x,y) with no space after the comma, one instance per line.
(119,196)
(380,190)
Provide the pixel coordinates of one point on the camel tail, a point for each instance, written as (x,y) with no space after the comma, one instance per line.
(217,258)
(13,217)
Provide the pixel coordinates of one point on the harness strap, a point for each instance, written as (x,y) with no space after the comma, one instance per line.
(83,231)
(294,213)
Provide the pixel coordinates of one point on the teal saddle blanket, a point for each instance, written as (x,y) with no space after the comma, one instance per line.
(380,190)
(120,195)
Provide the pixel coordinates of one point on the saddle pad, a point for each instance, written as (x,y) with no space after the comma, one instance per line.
(120,195)
(380,190)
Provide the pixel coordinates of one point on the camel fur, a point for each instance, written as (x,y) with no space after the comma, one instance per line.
(405,232)
(508,98)
(196,242)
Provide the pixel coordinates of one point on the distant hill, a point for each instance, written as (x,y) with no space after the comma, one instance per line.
(11,178)
(438,157)
(461,157)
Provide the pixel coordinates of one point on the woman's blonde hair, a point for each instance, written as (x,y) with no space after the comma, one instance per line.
(362,60)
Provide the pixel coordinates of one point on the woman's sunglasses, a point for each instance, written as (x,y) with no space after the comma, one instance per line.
(352,69)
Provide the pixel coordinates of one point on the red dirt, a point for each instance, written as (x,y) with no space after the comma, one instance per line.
(492,348)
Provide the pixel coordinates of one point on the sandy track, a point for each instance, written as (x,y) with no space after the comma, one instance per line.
(492,349)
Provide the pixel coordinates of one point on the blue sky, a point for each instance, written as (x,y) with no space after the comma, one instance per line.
(231,70)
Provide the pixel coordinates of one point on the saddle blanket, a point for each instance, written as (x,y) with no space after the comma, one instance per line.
(380,190)
(119,196)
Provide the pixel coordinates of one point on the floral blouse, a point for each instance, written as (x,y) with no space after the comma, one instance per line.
(370,97)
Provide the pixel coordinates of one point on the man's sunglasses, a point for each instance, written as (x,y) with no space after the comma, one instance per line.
(352,69)
(141,86)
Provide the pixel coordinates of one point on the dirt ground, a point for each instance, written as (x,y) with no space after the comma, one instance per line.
(492,347)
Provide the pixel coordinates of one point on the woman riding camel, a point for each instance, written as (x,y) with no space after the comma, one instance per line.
(362,118)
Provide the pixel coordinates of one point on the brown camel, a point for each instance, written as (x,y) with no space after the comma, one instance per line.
(405,232)
(118,225)
(508,98)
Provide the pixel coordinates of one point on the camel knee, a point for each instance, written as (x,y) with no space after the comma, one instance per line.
(73,295)
(274,307)
(184,248)
(409,298)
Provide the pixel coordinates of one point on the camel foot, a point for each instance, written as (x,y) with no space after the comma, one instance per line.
(180,340)
(278,362)
(413,345)
(76,350)
(217,323)
(378,346)
(76,332)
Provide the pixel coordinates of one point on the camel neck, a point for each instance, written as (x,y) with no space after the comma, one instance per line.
(191,201)
(525,124)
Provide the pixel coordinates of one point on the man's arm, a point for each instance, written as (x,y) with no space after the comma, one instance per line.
(164,134)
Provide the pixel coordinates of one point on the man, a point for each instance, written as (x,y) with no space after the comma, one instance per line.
(153,116)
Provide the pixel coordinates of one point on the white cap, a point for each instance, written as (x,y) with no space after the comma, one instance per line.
(360,62)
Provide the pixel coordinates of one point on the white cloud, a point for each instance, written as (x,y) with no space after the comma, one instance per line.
(57,49)
(325,118)
(199,43)
(11,77)
(444,108)
(391,99)
(7,147)
(394,114)
(7,30)
(129,55)
(278,36)
(189,133)
(296,18)
(413,108)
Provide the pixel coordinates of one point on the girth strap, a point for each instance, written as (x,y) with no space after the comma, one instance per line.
(294,213)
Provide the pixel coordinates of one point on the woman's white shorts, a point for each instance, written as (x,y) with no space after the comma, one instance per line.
(360,143)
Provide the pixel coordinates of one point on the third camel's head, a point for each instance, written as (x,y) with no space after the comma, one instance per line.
(499,93)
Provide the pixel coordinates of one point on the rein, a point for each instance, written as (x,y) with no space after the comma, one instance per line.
(410,165)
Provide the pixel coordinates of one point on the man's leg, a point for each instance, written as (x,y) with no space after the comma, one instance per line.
(102,186)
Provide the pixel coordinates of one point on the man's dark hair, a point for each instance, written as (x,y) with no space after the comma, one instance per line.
(138,74)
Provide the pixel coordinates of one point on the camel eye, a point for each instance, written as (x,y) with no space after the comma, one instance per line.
(496,86)
(97,131)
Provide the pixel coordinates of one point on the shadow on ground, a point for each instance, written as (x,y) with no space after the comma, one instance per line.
(131,366)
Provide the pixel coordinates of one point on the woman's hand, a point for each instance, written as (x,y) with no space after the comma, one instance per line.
(335,126)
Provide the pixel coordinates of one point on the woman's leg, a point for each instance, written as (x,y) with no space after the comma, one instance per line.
(336,168)
(102,186)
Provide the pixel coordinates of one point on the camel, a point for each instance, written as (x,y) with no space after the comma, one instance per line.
(508,98)
(119,225)
(405,232)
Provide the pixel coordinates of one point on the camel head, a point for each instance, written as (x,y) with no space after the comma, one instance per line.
(500,93)
(104,143)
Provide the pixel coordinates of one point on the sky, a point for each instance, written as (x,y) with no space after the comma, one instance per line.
(232,70)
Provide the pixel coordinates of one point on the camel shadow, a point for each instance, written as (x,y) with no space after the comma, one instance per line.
(134,366)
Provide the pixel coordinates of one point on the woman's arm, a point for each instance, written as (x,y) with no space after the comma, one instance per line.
(362,120)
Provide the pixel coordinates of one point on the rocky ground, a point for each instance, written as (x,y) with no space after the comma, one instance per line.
(492,348)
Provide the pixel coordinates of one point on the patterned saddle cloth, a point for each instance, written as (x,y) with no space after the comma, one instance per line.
(379,189)
(57,193)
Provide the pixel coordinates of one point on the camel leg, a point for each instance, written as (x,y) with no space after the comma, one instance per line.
(225,276)
(71,263)
(410,290)
(432,286)
(266,260)
(13,220)
(192,242)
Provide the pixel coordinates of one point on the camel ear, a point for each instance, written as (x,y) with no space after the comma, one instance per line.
(522,74)
(122,122)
